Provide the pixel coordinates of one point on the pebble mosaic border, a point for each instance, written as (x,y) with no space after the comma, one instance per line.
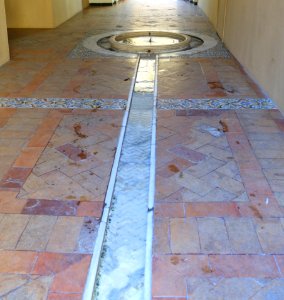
(120,104)
(225,103)
(71,103)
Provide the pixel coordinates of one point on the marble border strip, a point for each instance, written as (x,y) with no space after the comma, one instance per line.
(71,103)
(151,198)
(218,103)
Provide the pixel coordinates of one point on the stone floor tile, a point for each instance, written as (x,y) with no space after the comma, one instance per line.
(65,234)
(271,235)
(51,207)
(10,204)
(177,165)
(19,262)
(37,233)
(260,210)
(28,157)
(213,236)
(35,289)
(59,186)
(224,182)
(216,152)
(90,209)
(184,236)
(169,210)
(242,236)
(72,279)
(170,273)
(187,153)
(72,152)
(11,228)
(92,183)
(53,263)
(205,167)
(161,240)
(277,186)
(217,209)
(17,174)
(194,184)
(88,234)
(258,266)
(234,288)
(59,296)
(9,282)
(165,187)
(218,195)
(41,138)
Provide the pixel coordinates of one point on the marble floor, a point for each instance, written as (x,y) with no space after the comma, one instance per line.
(219,204)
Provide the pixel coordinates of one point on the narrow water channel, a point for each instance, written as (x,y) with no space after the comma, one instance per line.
(123,266)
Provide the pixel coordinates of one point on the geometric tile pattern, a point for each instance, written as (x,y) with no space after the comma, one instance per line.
(55,166)
(203,78)
(76,163)
(219,218)
(210,172)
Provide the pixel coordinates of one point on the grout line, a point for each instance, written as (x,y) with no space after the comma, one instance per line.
(91,279)
(277,265)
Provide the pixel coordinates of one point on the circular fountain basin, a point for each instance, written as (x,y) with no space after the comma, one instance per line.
(150,42)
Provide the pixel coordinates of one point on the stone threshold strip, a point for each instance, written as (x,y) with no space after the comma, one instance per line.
(121,266)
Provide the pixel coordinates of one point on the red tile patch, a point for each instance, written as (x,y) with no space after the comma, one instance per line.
(51,207)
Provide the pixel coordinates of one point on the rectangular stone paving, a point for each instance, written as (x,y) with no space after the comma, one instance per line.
(49,215)
(219,219)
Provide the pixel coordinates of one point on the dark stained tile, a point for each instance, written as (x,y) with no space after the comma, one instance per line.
(51,207)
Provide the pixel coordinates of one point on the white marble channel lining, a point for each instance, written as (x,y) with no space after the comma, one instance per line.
(123,268)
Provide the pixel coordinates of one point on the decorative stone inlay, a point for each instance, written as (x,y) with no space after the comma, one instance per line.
(72,103)
(218,103)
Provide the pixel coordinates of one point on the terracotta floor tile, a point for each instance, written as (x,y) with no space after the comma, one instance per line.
(72,280)
(216,209)
(51,207)
(169,210)
(170,273)
(11,228)
(53,263)
(65,234)
(91,209)
(40,138)
(17,174)
(259,266)
(28,157)
(20,262)
(37,233)
(56,296)
(161,240)
(10,204)
(184,236)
